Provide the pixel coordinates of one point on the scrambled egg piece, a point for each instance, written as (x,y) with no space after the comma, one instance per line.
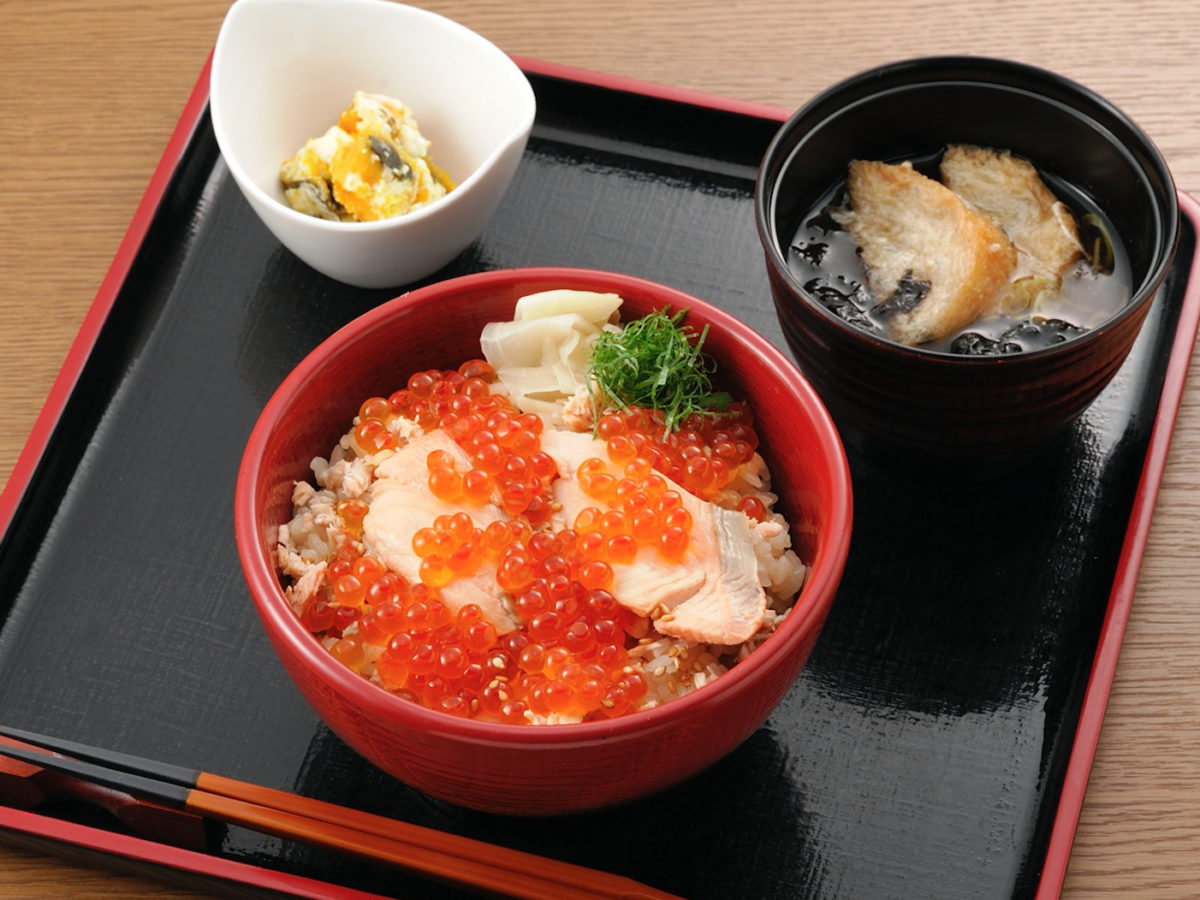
(373,164)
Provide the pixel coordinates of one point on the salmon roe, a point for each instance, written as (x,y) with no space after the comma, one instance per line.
(570,657)
(506,461)
(700,456)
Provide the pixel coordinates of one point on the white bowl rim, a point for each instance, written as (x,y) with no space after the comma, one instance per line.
(517,134)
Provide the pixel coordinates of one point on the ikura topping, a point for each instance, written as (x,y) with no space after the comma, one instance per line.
(477,559)
(373,164)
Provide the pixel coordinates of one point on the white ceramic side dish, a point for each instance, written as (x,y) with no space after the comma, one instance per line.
(282,72)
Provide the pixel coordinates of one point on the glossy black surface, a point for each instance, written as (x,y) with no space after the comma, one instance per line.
(922,750)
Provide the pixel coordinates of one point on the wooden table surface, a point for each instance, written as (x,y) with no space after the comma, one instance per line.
(91,91)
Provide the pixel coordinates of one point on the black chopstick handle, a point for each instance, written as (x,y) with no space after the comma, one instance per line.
(125,762)
(140,785)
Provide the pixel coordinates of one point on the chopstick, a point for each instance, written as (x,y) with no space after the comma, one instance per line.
(26,786)
(482,867)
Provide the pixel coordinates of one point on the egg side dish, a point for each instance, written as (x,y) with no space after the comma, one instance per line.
(373,164)
(573,527)
(983,259)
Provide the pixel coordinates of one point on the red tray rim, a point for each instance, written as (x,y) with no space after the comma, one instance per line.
(1100,679)
(1120,602)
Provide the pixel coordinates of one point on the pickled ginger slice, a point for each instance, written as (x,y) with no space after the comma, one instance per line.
(400,504)
(531,342)
(541,356)
(593,306)
(934,264)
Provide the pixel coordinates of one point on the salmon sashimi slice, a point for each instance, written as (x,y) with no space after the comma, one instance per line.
(648,584)
(400,504)
(727,609)
(712,594)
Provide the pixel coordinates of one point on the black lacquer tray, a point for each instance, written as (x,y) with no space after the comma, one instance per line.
(938,741)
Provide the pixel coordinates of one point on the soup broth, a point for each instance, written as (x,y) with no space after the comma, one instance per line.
(826,260)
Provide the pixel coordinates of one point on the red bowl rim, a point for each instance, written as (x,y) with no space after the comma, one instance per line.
(375,702)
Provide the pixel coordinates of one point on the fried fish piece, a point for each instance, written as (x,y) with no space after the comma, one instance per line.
(1009,191)
(933,263)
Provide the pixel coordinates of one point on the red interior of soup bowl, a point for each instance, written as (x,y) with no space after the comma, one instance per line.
(520,769)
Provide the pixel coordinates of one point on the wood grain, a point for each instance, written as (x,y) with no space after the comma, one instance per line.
(91,92)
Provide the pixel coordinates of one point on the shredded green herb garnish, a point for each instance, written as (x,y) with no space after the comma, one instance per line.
(656,362)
